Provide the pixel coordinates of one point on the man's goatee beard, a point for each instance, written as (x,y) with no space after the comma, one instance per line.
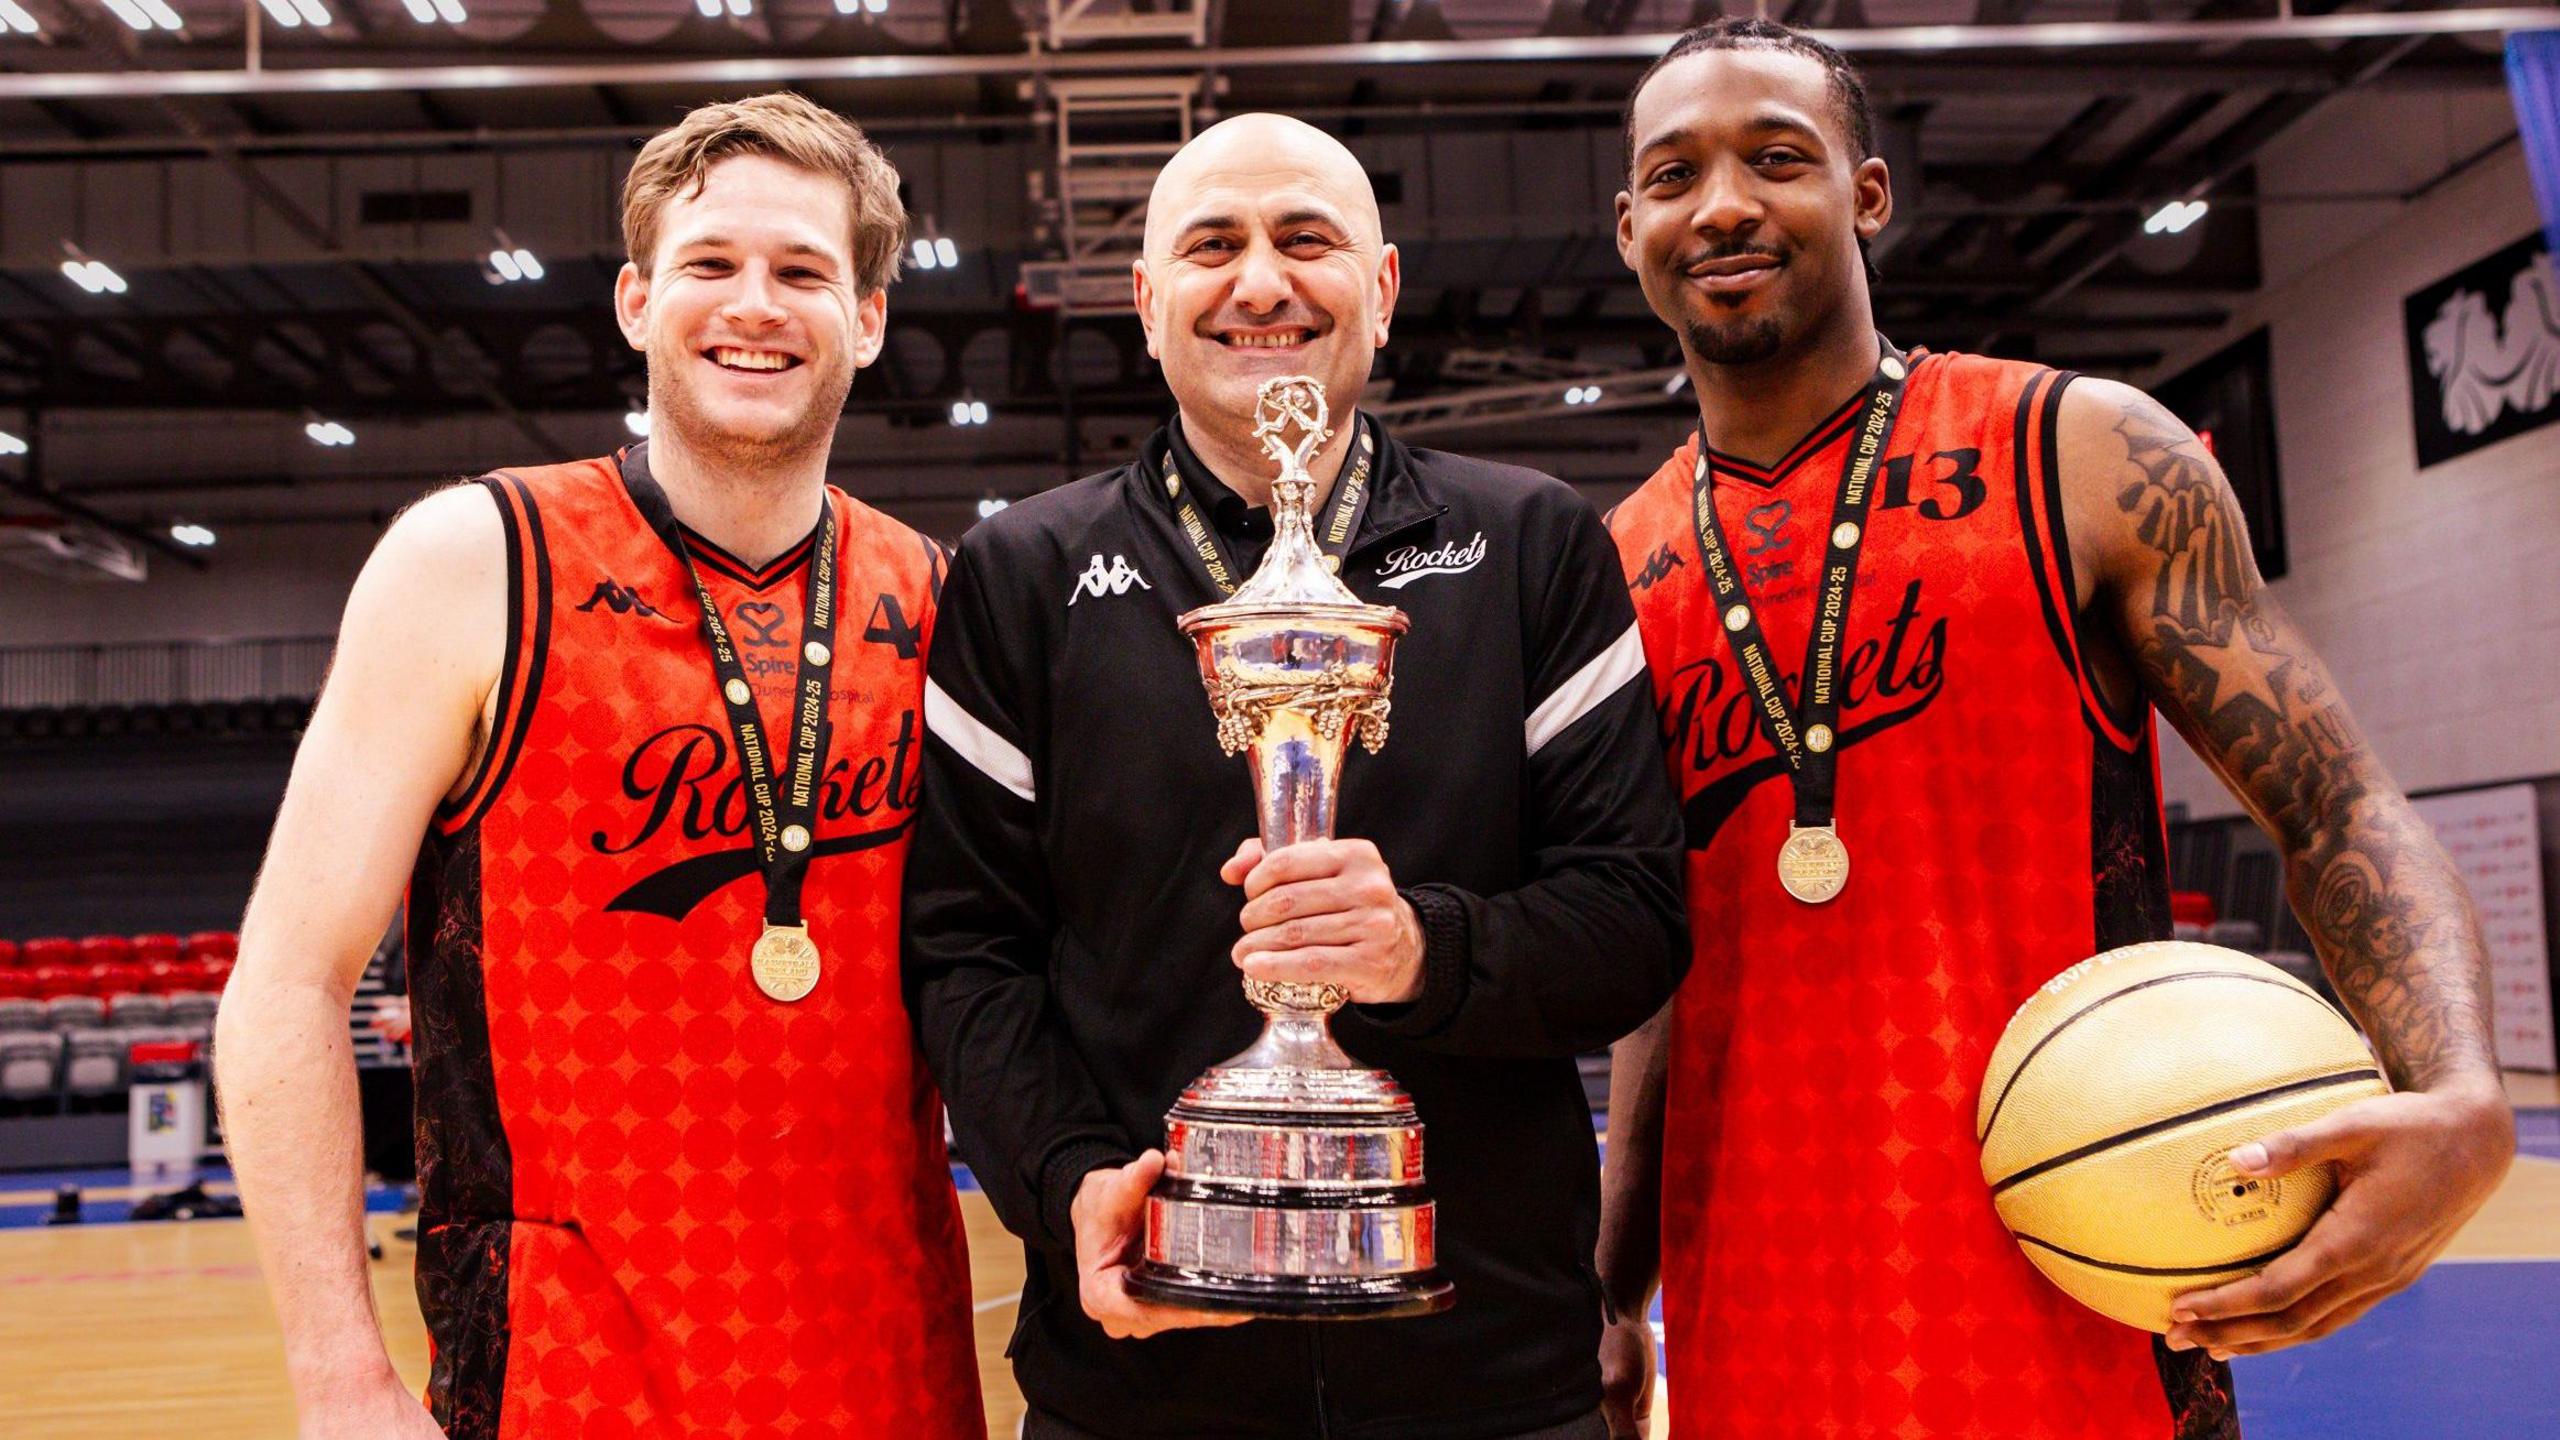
(1742,342)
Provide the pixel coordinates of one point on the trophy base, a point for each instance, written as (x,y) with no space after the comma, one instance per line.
(1381,1297)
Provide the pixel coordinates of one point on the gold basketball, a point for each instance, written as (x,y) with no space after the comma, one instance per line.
(2115,1098)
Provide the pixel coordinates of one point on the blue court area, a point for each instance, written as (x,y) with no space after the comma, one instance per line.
(2538,1133)
(2470,1352)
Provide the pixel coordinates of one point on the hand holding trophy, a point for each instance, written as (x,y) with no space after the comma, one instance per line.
(1292,1185)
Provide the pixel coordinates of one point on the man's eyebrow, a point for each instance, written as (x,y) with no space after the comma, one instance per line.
(1216,220)
(1767,122)
(723,242)
(1310,215)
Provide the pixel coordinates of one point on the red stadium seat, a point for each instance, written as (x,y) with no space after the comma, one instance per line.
(2191,907)
(208,974)
(156,948)
(16,984)
(46,981)
(211,944)
(8,953)
(167,977)
(49,950)
(121,978)
(106,950)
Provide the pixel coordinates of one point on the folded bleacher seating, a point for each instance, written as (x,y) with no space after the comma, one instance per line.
(93,1061)
(132,1011)
(75,1012)
(19,1013)
(30,1064)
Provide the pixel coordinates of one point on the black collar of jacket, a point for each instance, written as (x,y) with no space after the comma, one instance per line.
(1399,494)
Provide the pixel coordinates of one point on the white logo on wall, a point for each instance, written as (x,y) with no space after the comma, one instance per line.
(1099,581)
(1408,563)
(2486,363)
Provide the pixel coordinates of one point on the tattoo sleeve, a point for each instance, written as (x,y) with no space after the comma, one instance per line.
(2379,897)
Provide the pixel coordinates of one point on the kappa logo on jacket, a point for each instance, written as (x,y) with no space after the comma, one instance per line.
(1408,563)
(1097,581)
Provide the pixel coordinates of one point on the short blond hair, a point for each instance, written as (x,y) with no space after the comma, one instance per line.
(788,128)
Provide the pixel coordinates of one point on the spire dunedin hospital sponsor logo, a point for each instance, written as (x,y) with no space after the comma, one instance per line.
(1408,563)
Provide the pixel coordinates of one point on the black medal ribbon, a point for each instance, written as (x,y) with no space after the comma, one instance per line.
(1334,531)
(1805,731)
(782,802)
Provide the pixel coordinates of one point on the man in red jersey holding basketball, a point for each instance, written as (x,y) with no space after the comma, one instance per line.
(639,734)
(1906,616)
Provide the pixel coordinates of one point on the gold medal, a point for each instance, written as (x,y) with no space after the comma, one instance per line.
(1813,865)
(786,962)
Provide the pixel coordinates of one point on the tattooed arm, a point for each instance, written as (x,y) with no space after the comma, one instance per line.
(2164,568)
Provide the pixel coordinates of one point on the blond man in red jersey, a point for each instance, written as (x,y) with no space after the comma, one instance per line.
(648,787)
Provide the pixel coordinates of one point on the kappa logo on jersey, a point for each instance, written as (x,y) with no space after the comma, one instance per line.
(1098,581)
(1657,568)
(1408,563)
(620,601)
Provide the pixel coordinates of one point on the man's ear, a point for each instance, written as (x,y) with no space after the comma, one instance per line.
(1874,186)
(871,326)
(631,305)
(1390,285)
(1143,290)
(1627,229)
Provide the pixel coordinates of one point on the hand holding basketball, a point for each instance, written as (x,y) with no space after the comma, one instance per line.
(2411,1169)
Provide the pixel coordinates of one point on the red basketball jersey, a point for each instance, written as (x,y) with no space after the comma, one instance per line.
(1832,1265)
(653,1201)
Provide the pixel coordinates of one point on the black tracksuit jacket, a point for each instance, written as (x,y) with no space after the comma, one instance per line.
(1067,936)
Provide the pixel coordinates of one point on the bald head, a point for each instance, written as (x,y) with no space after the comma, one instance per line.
(1263,260)
(1252,154)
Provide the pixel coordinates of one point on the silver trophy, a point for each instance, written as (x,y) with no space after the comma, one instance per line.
(1292,1185)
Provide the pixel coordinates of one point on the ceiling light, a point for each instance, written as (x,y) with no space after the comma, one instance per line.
(991,505)
(977,412)
(1582,395)
(451,12)
(281,12)
(968,412)
(195,535)
(11,444)
(637,422)
(428,12)
(742,8)
(94,276)
(329,432)
(161,15)
(876,7)
(313,12)
(923,253)
(130,13)
(15,16)
(505,264)
(946,252)
(2175,216)
(710,9)
(1676,383)
(525,262)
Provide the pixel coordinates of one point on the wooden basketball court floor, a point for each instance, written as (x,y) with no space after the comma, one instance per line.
(119,1331)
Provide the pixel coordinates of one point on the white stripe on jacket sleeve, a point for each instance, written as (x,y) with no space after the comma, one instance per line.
(1596,681)
(967,735)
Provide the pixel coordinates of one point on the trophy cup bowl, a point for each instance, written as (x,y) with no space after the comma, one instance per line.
(1292,1185)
